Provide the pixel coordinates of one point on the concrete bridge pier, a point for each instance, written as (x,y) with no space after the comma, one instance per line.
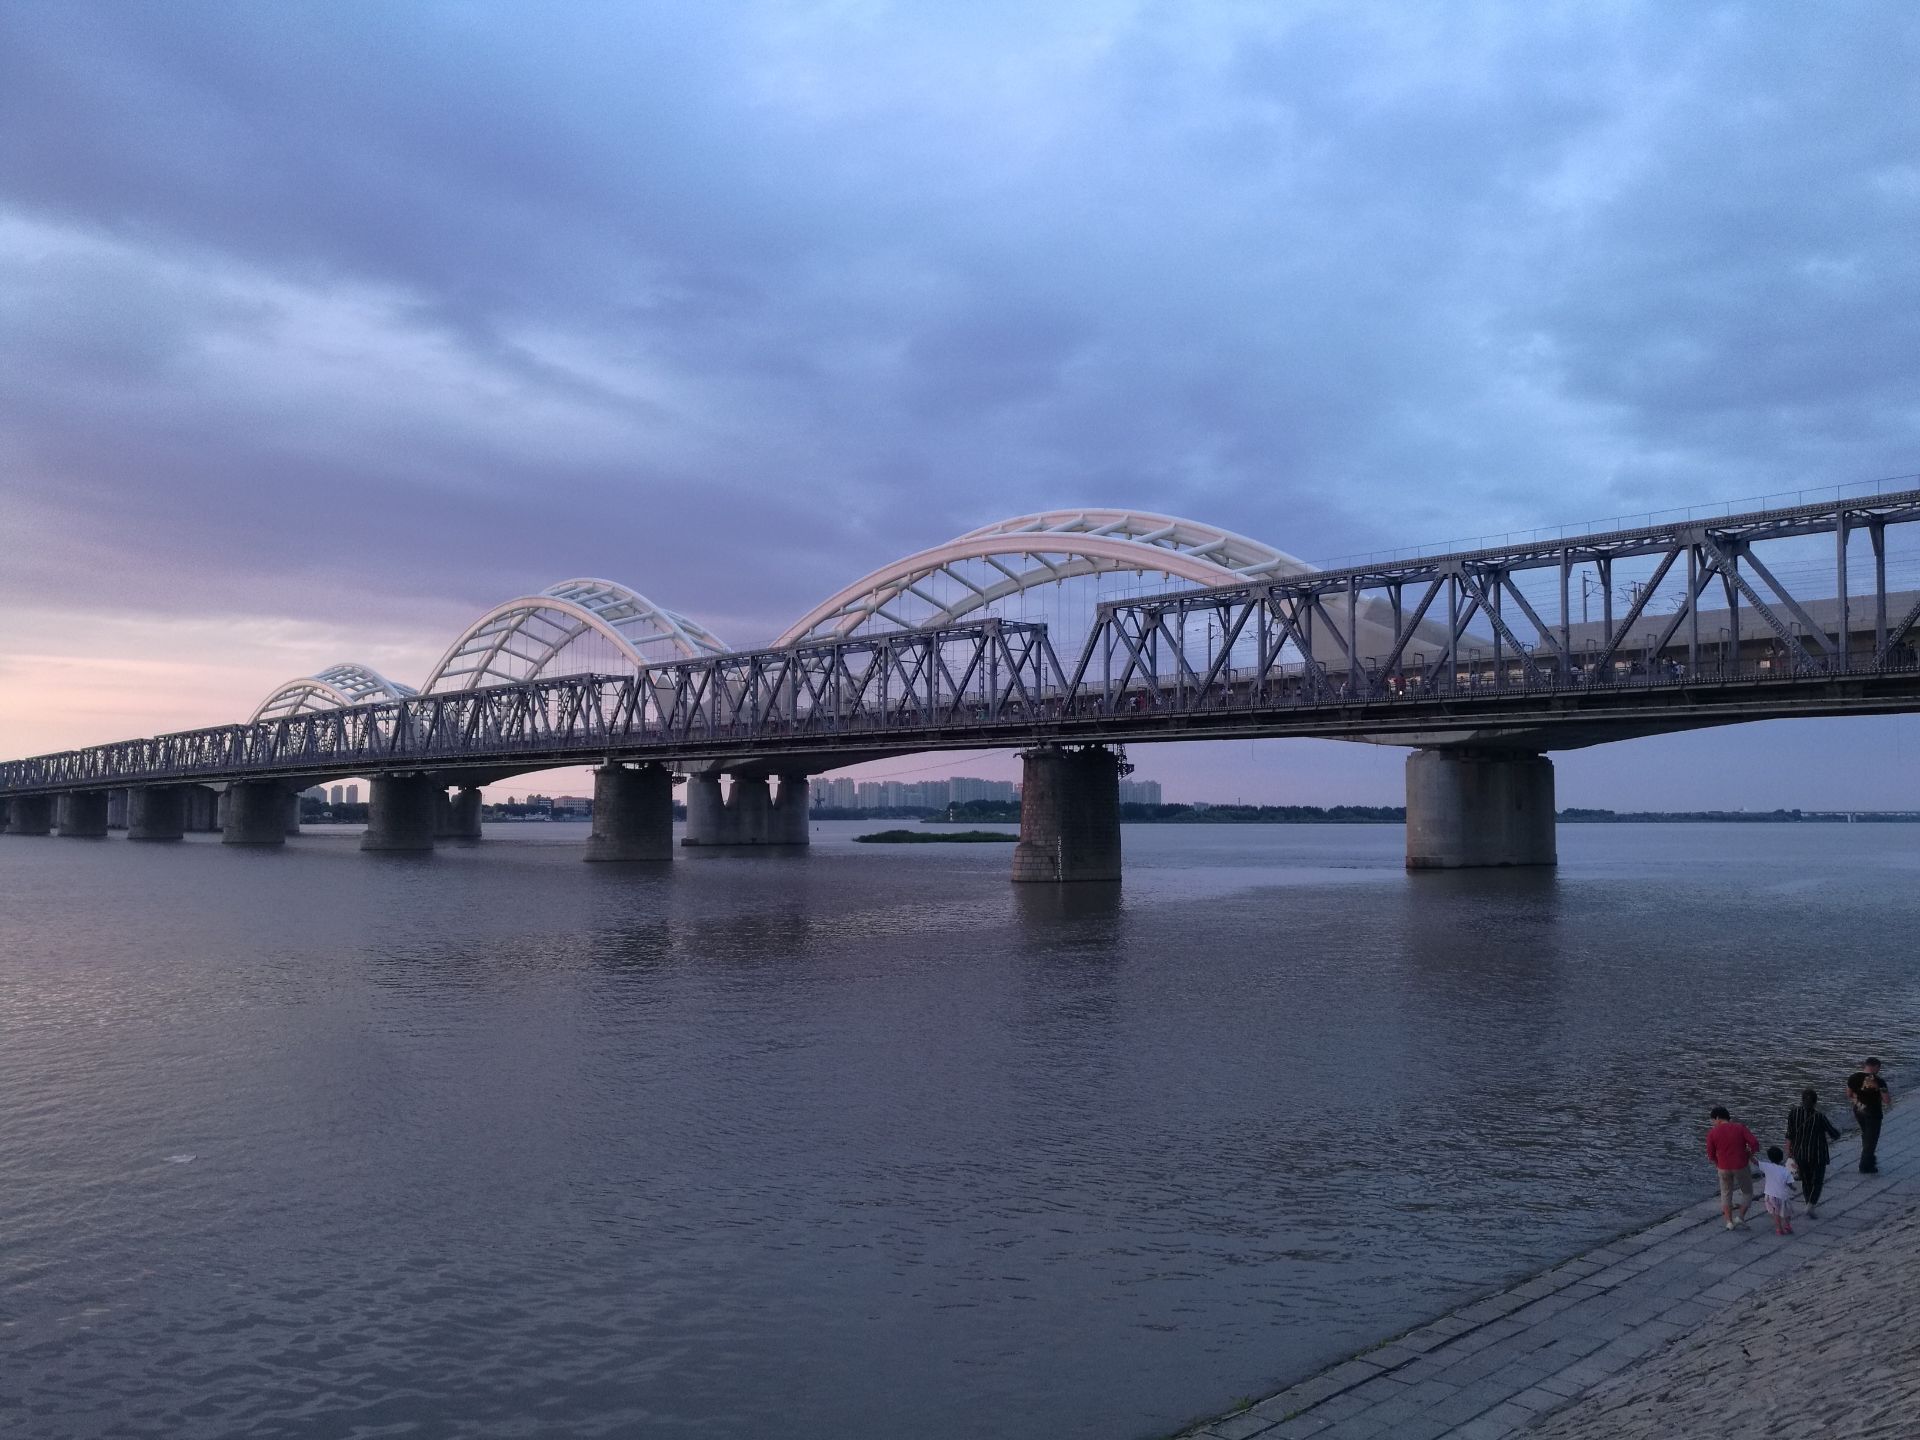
(83,813)
(293,812)
(201,808)
(30,815)
(156,812)
(117,809)
(1469,809)
(403,811)
(1069,816)
(256,813)
(788,818)
(459,814)
(706,811)
(632,814)
(750,815)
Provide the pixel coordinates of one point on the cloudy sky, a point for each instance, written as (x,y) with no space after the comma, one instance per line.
(325,326)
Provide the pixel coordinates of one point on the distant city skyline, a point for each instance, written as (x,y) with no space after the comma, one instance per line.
(843,792)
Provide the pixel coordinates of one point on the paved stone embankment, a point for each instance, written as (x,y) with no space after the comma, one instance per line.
(1644,1336)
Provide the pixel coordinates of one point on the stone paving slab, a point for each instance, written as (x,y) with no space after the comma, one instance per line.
(1494,1366)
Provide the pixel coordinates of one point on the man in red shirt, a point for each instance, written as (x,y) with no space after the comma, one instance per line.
(1731,1147)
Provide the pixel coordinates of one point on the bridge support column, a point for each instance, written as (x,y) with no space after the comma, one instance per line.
(293,812)
(156,812)
(30,815)
(403,811)
(83,813)
(1473,808)
(200,808)
(633,814)
(748,816)
(749,810)
(789,815)
(256,813)
(1069,816)
(706,811)
(459,814)
(116,809)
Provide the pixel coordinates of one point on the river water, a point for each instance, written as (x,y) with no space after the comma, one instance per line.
(865,1142)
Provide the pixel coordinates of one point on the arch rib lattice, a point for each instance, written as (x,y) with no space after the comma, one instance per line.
(519,639)
(1044,549)
(348,684)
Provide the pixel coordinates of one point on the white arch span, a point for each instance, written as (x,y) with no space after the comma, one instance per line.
(348,684)
(517,640)
(1046,549)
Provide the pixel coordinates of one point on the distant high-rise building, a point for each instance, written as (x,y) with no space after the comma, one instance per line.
(315,792)
(963,788)
(353,794)
(1140,792)
(842,792)
(339,794)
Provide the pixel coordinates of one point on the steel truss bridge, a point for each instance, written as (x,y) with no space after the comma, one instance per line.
(1475,651)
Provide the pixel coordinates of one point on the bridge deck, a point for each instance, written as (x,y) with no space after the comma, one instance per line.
(1479,648)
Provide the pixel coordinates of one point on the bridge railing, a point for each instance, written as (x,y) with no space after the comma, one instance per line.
(989,672)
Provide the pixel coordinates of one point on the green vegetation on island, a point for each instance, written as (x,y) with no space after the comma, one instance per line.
(1008,812)
(935,837)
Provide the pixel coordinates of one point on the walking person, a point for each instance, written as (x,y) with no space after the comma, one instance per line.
(1731,1147)
(1808,1131)
(1779,1197)
(1871,1100)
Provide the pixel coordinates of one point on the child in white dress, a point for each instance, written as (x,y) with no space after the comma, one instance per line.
(1779,1196)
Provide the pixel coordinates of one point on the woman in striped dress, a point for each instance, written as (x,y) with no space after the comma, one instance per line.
(1808,1132)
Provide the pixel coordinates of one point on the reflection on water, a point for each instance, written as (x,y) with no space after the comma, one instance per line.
(867,1140)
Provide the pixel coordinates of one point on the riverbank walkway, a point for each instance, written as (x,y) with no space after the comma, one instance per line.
(1492,1367)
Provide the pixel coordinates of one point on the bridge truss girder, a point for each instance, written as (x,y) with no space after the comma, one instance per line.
(1160,668)
(1302,636)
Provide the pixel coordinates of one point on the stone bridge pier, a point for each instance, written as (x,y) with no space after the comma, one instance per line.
(83,813)
(750,815)
(200,808)
(1069,816)
(255,813)
(1469,809)
(459,814)
(156,812)
(632,814)
(403,812)
(30,815)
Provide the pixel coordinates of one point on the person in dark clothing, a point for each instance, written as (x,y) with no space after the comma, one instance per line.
(1808,1132)
(1872,1066)
(1870,1098)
